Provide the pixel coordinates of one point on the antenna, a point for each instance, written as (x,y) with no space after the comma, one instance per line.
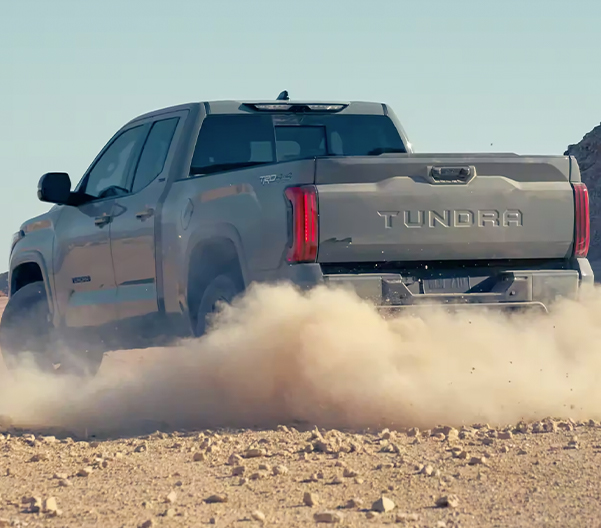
(283,96)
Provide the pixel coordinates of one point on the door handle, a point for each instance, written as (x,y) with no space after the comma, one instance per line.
(143,215)
(101,221)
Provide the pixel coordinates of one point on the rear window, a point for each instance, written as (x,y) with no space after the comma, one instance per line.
(228,142)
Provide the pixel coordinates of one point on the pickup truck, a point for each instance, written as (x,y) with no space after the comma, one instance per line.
(186,206)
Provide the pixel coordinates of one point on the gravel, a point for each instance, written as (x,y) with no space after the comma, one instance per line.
(548,478)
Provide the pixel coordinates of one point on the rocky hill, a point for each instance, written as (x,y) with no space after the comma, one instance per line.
(4,283)
(588,154)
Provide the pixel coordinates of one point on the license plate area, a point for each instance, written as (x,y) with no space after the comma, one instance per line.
(446,285)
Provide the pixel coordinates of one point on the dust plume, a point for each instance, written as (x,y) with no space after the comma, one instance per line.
(325,357)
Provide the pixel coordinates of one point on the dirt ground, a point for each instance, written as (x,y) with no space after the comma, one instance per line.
(540,473)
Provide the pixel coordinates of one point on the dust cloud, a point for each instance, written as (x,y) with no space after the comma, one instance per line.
(326,358)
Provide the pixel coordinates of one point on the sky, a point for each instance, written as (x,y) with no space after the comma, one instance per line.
(462,75)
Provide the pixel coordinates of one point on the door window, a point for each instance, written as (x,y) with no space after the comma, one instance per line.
(154,153)
(108,177)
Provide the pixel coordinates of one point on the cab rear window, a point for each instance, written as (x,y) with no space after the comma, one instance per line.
(228,142)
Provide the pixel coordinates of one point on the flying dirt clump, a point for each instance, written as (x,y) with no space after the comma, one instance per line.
(325,357)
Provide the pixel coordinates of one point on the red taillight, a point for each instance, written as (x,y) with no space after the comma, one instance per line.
(304,223)
(582,231)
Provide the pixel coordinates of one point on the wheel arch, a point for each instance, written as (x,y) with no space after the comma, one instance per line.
(26,268)
(208,258)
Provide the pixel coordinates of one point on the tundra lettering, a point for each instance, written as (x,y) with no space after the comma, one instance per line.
(457,218)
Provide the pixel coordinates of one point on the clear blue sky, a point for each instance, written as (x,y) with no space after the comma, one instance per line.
(522,75)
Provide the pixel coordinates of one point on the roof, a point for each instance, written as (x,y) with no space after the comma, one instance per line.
(238,107)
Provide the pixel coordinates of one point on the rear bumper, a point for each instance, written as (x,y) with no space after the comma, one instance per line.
(511,289)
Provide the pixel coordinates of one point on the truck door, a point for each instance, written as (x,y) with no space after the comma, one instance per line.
(136,219)
(84,276)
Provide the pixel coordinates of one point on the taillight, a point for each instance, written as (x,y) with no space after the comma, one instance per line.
(582,220)
(304,223)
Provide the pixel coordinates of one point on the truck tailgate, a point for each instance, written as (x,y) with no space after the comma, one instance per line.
(447,207)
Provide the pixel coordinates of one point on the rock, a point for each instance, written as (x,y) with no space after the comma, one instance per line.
(452,435)
(259,475)
(171,498)
(238,471)
(282,429)
(35,504)
(330,517)
(315,435)
(349,473)
(142,448)
(504,449)
(461,454)
(40,457)
(214,499)
(50,506)
(447,501)
(147,524)
(85,472)
(258,515)
(427,470)
(383,505)
(406,517)
(234,460)
(199,456)
(371,514)
(522,427)
(565,426)
(60,476)
(322,447)
(310,499)
(280,470)
(413,432)
(354,503)
(505,435)
(336,481)
(65,483)
(4,522)
(477,460)
(254,453)
(170,512)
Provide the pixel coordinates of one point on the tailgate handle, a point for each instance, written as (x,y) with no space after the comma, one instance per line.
(452,174)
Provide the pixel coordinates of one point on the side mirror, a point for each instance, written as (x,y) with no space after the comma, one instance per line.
(55,187)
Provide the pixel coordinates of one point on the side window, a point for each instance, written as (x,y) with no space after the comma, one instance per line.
(228,142)
(154,153)
(109,174)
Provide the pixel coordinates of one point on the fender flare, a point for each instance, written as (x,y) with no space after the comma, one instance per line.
(33,256)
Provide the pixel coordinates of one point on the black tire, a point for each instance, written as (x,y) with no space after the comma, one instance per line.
(26,328)
(221,289)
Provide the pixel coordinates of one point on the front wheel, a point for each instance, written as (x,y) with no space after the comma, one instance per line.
(222,289)
(26,328)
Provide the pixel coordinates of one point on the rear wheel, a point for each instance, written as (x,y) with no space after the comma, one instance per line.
(26,328)
(222,289)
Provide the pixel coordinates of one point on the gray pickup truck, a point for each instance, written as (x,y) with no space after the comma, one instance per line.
(186,206)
